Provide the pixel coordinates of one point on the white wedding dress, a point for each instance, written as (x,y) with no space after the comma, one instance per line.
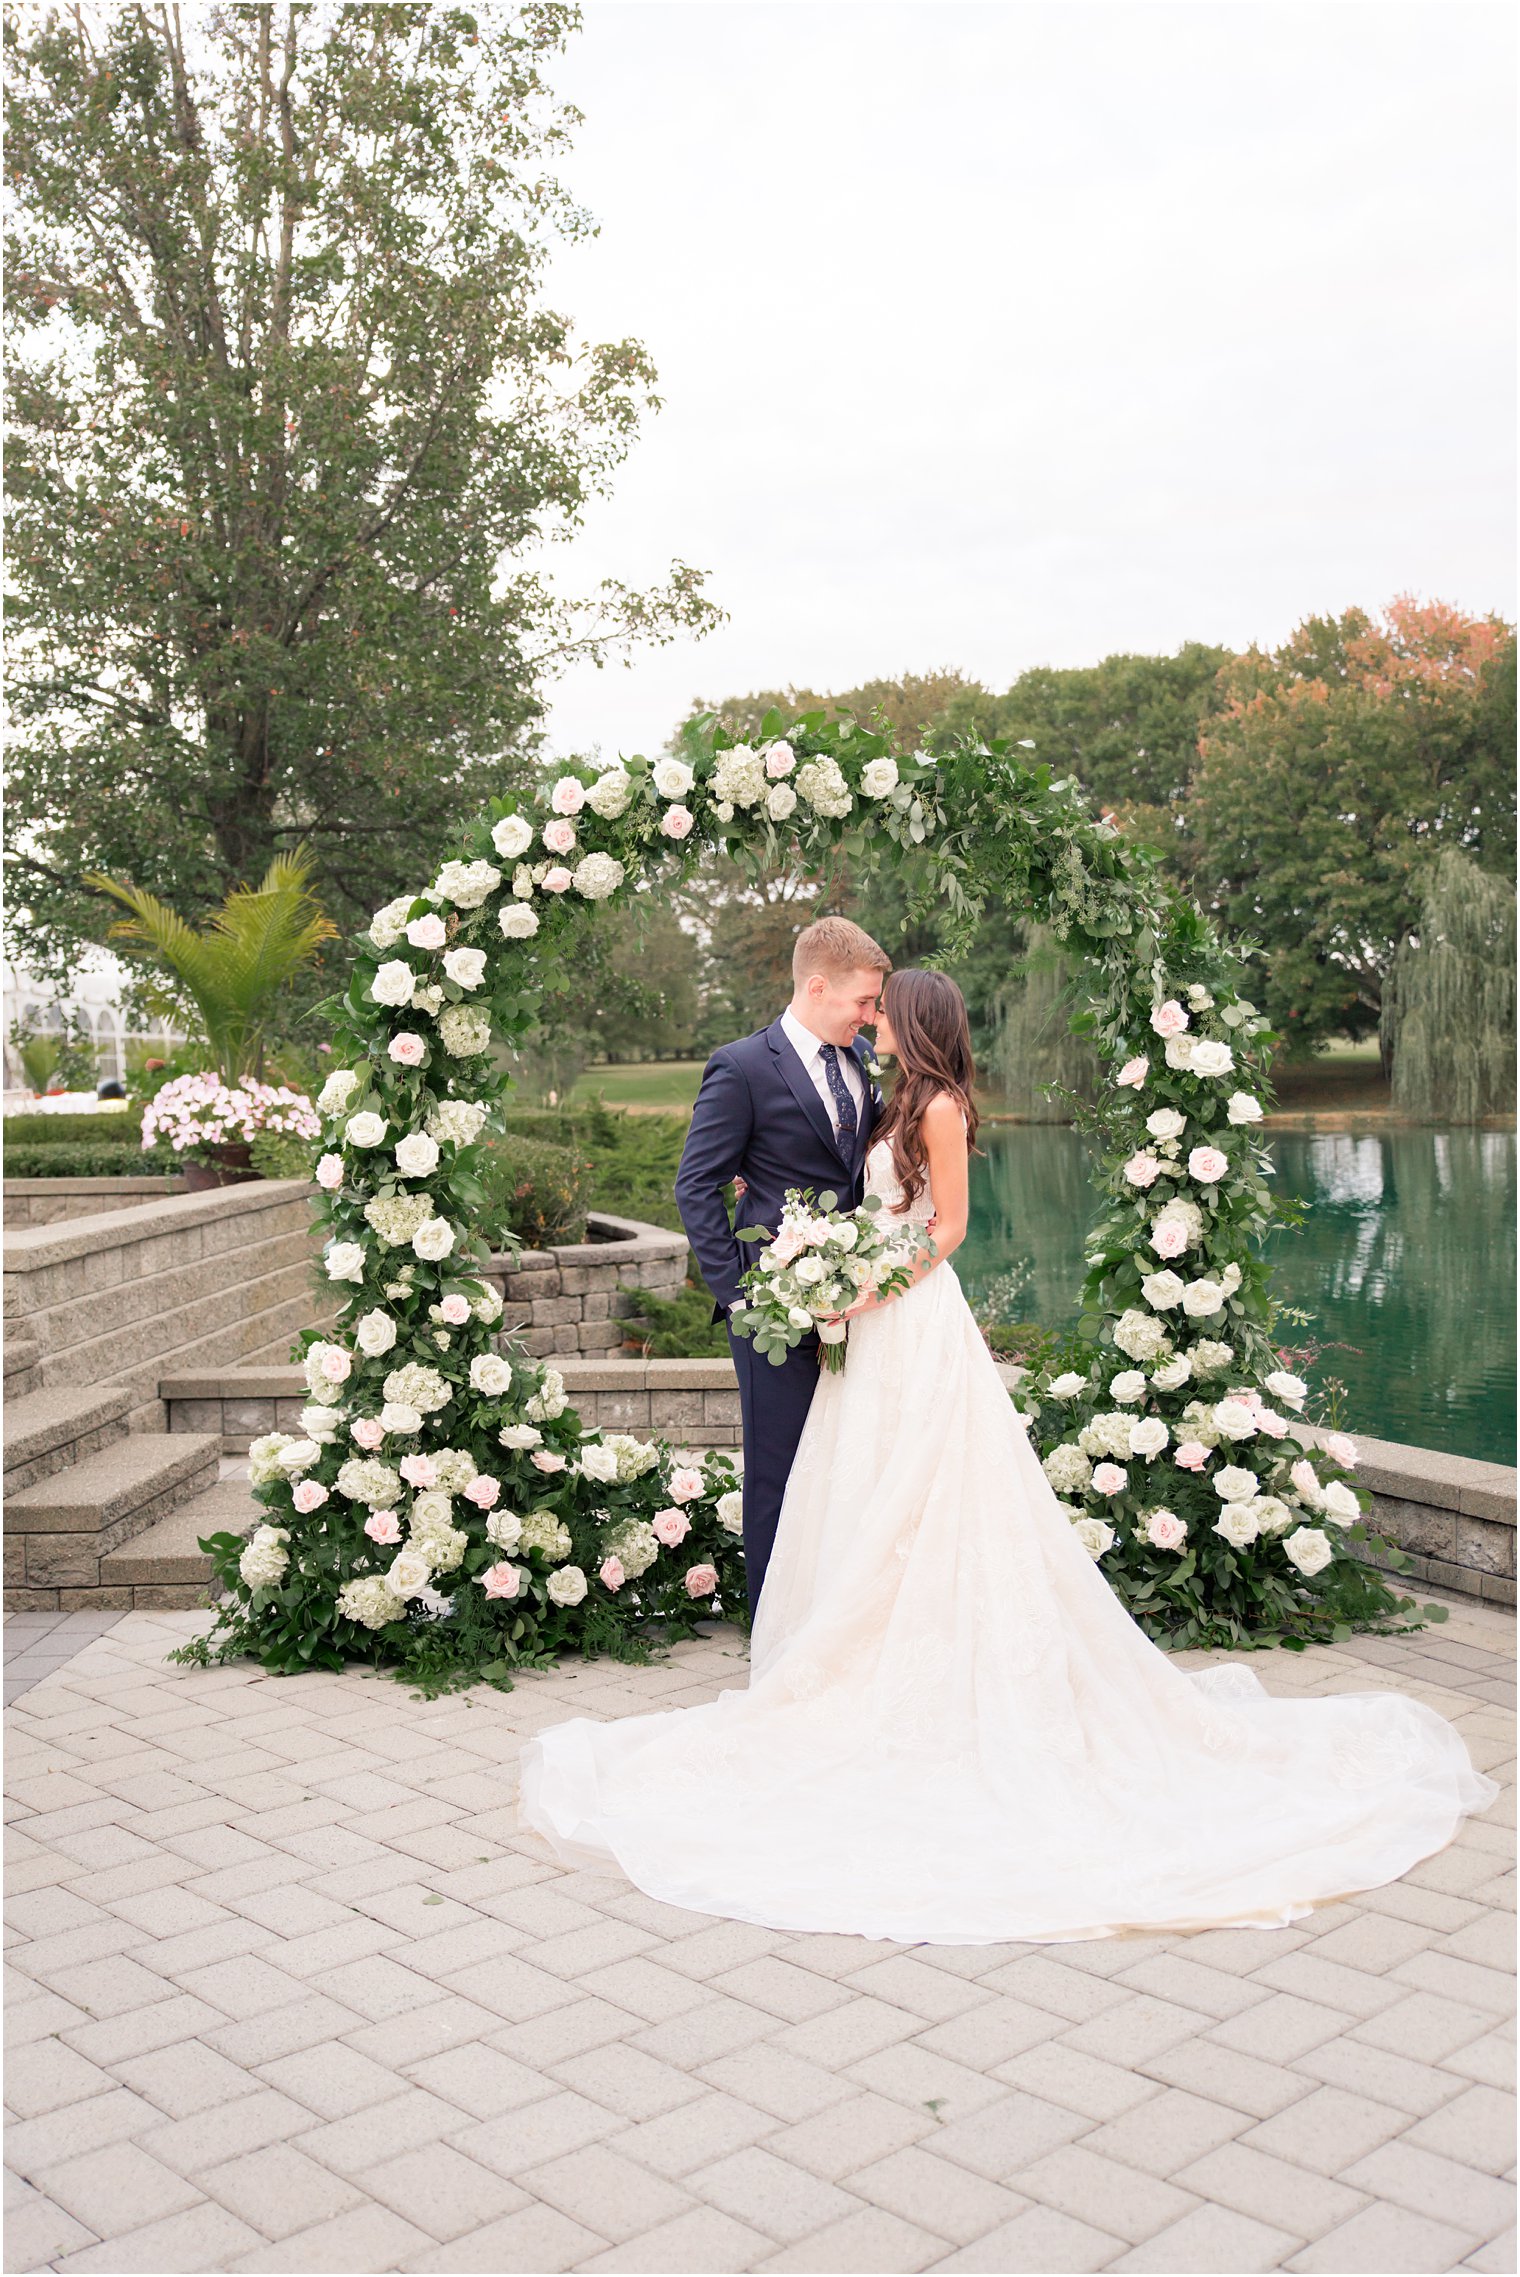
(953,1732)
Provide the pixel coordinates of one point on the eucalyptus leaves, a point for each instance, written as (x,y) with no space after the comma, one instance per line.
(443,1508)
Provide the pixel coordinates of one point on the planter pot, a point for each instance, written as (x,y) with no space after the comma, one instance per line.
(227,1164)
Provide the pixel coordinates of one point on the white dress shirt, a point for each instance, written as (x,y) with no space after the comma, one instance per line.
(809,1049)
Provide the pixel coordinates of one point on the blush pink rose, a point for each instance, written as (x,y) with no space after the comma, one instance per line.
(501,1580)
(1142,1169)
(329,1172)
(1165,1530)
(1306,1479)
(1191,1455)
(1207,1164)
(612,1574)
(676,822)
(455,1310)
(1275,1426)
(337,1367)
(483,1492)
(428,932)
(559,835)
(309,1495)
(1169,1019)
(671,1526)
(701,1581)
(685,1485)
(419,1470)
(1110,1478)
(542,1460)
(1170,1238)
(407,1049)
(367,1433)
(383,1526)
(568,796)
(1340,1449)
(779,763)
(1134,1072)
(557,881)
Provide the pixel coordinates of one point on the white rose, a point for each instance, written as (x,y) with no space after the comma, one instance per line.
(798,1317)
(345,1261)
(598,1462)
(433,1239)
(1338,1501)
(517,921)
(1173,1374)
(1126,1388)
(1095,1535)
(1166,1123)
(878,778)
(1233,1484)
(1200,1298)
(1148,1436)
(567,1585)
(1237,1524)
(1233,1419)
(1308,1549)
(1179,1051)
(337,1091)
(1163,1290)
(399,1415)
(780,801)
(1242,1108)
(1209,1058)
(520,1435)
(672,778)
(1272,1516)
(467,966)
(491,1374)
(416,1154)
(809,1269)
(375,1333)
(408,1572)
(366,1129)
(512,836)
(393,982)
(730,1511)
(1291,1390)
(321,1423)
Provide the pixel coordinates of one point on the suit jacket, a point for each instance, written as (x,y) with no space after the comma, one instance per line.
(758,1117)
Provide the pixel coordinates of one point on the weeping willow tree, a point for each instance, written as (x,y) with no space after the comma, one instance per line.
(1448,1015)
(1032,1043)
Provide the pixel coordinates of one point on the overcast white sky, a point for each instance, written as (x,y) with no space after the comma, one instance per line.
(1004,332)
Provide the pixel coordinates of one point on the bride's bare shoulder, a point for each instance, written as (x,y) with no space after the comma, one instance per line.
(945,1112)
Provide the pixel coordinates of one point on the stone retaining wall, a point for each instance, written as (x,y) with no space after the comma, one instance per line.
(44,1201)
(1454,1517)
(572,1300)
(212,1280)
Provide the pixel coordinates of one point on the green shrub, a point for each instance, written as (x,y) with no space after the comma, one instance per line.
(633,1157)
(122,1128)
(535,1190)
(679,1326)
(89,1159)
(283,1154)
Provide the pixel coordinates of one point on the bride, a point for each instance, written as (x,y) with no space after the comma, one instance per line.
(953,1731)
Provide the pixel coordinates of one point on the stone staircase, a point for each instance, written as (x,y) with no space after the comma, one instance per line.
(100,1518)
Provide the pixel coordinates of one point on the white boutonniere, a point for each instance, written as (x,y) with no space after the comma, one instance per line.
(873,1070)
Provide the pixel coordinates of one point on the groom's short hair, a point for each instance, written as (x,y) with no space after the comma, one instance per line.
(836,945)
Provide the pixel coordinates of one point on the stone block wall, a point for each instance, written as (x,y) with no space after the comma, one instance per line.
(563,1302)
(218,1279)
(46,1201)
(1454,1517)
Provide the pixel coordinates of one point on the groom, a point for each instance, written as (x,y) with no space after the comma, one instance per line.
(792,1105)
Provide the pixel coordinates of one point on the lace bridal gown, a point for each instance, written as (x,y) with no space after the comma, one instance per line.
(953,1732)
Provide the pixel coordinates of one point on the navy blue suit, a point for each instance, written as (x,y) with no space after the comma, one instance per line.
(759,1118)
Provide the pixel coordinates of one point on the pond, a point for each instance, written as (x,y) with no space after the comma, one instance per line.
(1406,1260)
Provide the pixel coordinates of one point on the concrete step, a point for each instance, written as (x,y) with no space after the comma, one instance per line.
(165,1565)
(48,1431)
(21,1356)
(59,1530)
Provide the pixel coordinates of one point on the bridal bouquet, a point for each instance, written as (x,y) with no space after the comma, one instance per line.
(822,1259)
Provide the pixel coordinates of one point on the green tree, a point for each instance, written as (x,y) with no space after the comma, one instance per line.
(289,421)
(1448,1017)
(1335,769)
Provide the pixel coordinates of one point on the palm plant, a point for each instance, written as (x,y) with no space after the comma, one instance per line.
(232,968)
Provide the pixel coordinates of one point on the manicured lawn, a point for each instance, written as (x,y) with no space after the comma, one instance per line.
(659,1086)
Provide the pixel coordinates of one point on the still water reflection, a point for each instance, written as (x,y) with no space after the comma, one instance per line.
(1406,1259)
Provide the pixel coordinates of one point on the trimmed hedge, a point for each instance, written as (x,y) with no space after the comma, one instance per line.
(89,1159)
(123,1128)
(534,1190)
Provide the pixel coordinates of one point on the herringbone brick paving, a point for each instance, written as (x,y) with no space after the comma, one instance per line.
(288,1992)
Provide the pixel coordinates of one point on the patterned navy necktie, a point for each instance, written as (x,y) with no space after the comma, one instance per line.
(840,1092)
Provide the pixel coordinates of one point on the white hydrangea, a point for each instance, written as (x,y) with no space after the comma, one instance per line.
(455,1469)
(364,1478)
(549,1400)
(388,924)
(265,1557)
(337,1091)
(821,783)
(419,1386)
(739,776)
(457,1122)
(370,1600)
(264,1457)
(597,876)
(396,1217)
(1067,1469)
(542,1531)
(634,1456)
(466,884)
(634,1544)
(608,796)
(488,1303)
(1106,1434)
(1271,1515)
(1140,1335)
(463,1030)
(1210,1357)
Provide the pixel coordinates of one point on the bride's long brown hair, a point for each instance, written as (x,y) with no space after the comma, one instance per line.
(928,1016)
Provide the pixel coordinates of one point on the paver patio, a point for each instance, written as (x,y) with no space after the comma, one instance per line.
(288,1992)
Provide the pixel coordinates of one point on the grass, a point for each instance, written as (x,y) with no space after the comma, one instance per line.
(647,1087)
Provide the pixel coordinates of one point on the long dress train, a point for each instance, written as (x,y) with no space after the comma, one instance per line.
(953,1731)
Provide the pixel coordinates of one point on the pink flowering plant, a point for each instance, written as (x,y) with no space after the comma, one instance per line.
(468,1523)
(197,1113)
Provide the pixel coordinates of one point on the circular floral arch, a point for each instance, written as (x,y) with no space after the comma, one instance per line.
(444,1511)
